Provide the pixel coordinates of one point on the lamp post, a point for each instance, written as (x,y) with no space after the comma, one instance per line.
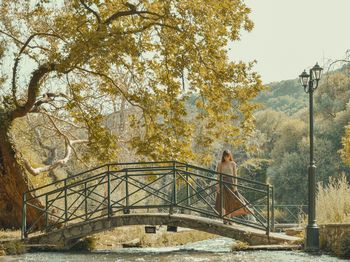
(310,83)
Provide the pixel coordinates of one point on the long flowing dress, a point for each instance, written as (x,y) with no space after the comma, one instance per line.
(232,200)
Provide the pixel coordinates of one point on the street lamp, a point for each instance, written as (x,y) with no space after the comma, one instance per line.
(310,83)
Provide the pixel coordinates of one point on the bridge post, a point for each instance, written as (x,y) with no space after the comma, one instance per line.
(46,212)
(65,202)
(126,209)
(221,196)
(85,202)
(174,185)
(109,194)
(268,211)
(273,210)
(24,216)
(187,188)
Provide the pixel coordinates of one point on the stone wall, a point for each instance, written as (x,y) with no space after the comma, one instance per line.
(332,237)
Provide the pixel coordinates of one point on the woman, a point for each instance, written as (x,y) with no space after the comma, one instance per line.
(232,200)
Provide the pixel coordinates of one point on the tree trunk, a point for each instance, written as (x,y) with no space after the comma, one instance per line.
(13,184)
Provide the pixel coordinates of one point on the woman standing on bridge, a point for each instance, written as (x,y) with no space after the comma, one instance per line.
(233,203)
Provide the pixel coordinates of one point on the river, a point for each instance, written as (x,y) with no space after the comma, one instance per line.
(217,249)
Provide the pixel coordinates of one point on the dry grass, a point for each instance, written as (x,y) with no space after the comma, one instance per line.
(9,234)
(333,201)
(239,245)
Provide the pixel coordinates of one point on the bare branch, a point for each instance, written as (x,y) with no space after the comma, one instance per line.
(34,35)
(38,135)
(61,120)
(21,42)
(124,93)
(58,163)
(46,98)
(69,148)
(337,61)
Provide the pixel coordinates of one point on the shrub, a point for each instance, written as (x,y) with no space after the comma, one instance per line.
(14,247)
(333,201)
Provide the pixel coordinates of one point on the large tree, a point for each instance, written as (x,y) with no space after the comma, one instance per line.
(65,62)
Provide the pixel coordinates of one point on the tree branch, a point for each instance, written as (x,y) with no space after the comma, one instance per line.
(132,11)
(21,42)
(113,82)
(15,66)
(69,146)
(46,98)
(92,11)
(33,89)
(60,119)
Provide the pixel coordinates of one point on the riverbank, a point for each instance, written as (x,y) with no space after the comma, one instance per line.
(10,243)
(216,249)
(128,236)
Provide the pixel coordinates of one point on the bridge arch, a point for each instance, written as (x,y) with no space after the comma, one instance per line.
(61,238)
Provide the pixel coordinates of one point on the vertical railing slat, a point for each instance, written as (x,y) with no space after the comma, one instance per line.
(24,216)
(65,201)
(46,212)
(126,211)
(174,185)
(268,211)
(273,209)
(221,196)
(187,188)
(109,194)
(85,201)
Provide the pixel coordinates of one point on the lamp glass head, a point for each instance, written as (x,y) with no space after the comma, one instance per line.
(304,78)
(316,72)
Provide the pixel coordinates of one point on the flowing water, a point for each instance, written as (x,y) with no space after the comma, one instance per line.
(217,249)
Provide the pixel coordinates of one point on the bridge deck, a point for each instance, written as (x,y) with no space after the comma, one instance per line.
(71,232)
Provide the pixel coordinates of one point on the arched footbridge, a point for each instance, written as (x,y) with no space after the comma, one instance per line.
(149,193)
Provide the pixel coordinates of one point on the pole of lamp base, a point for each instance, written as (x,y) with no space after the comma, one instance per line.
(312,239)
(312,230)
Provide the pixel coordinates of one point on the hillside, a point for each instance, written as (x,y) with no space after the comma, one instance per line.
(285,96)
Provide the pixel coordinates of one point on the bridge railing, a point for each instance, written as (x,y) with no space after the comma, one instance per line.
(158,187)
(287,215)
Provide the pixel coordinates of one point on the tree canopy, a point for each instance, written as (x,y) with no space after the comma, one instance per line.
(71,59)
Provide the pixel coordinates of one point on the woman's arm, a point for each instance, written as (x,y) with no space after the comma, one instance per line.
(234,173)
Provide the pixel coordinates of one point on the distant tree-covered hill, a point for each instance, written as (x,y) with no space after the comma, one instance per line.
(285,96)
(282,135)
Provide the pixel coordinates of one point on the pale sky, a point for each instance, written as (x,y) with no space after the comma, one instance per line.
(291,35)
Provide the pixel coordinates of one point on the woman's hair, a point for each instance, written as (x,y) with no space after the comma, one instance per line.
(226,153)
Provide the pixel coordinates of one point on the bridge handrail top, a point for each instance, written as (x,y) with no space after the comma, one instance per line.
(64,179)
(223,174)
(219,173)
(285,205)
(96,168)
(174,162)
(81,182)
